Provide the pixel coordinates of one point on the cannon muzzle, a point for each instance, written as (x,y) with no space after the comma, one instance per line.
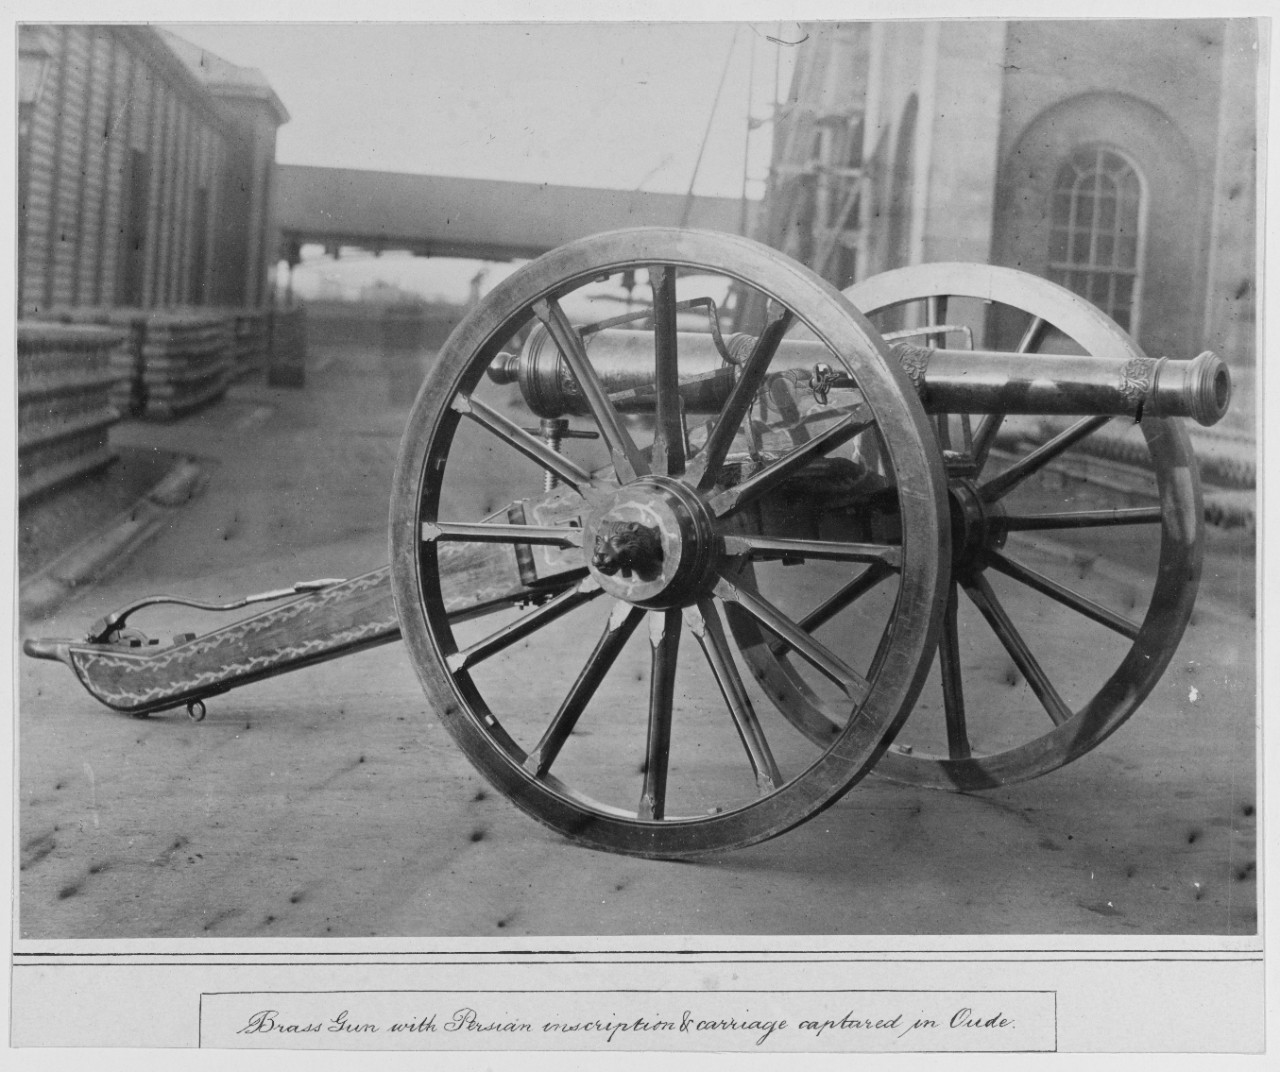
(947,381)
(985,381)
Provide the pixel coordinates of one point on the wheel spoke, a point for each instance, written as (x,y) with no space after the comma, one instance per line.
(984,438)
(1031,337)
(627,460)
(530,446)
(986,434)
(764,548)
(668,436)
(952,684)
(703,621)
(738,496)
(979,590)
(1065,596)
(1082,519)
(705,467)
(853,684)
(664,644)
(935,315)
(830,607)
(492,532)
(999,486)
(850,593)
(622,623)
(525,625)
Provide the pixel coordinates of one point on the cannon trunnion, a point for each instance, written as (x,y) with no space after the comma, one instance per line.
(759,547)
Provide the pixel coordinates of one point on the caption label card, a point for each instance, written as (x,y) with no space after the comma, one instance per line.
(837,1021)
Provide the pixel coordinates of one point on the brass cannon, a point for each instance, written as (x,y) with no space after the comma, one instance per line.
(806,496)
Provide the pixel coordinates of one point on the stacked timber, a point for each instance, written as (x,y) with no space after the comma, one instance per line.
(287,365)
(252,337)
(65,377)
(175,361)
(127,392)
(128,395)
(186,362)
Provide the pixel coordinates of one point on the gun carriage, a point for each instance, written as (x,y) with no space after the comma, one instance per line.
(784,519)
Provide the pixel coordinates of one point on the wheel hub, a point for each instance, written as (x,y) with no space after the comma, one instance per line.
(974,526)
(651,543)
(626,547)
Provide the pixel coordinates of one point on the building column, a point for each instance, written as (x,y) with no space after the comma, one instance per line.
(1231,299)
(958,149)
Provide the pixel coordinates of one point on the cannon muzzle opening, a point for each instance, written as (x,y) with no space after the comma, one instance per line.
(1199,389)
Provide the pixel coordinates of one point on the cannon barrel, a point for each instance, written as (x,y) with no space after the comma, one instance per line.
(947,381)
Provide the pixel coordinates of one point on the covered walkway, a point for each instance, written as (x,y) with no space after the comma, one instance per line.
(482,219)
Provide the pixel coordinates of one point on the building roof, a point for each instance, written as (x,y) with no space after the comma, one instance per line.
(222,77)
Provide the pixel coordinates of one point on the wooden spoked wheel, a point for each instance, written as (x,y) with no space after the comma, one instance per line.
(589,708)
(1077,579)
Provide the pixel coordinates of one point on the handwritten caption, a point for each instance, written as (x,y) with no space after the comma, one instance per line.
(868,1021)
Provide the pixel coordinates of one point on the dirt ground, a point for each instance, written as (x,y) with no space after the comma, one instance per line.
(331,802)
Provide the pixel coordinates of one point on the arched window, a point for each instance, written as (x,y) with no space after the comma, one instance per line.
(1095,245)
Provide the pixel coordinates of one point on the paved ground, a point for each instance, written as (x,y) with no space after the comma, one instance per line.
(331,801)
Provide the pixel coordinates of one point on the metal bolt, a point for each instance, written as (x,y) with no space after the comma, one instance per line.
(553,430)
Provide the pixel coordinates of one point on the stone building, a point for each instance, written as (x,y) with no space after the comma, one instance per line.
(145,172)
(1115,157)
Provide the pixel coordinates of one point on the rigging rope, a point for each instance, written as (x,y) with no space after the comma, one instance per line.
(706,134)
